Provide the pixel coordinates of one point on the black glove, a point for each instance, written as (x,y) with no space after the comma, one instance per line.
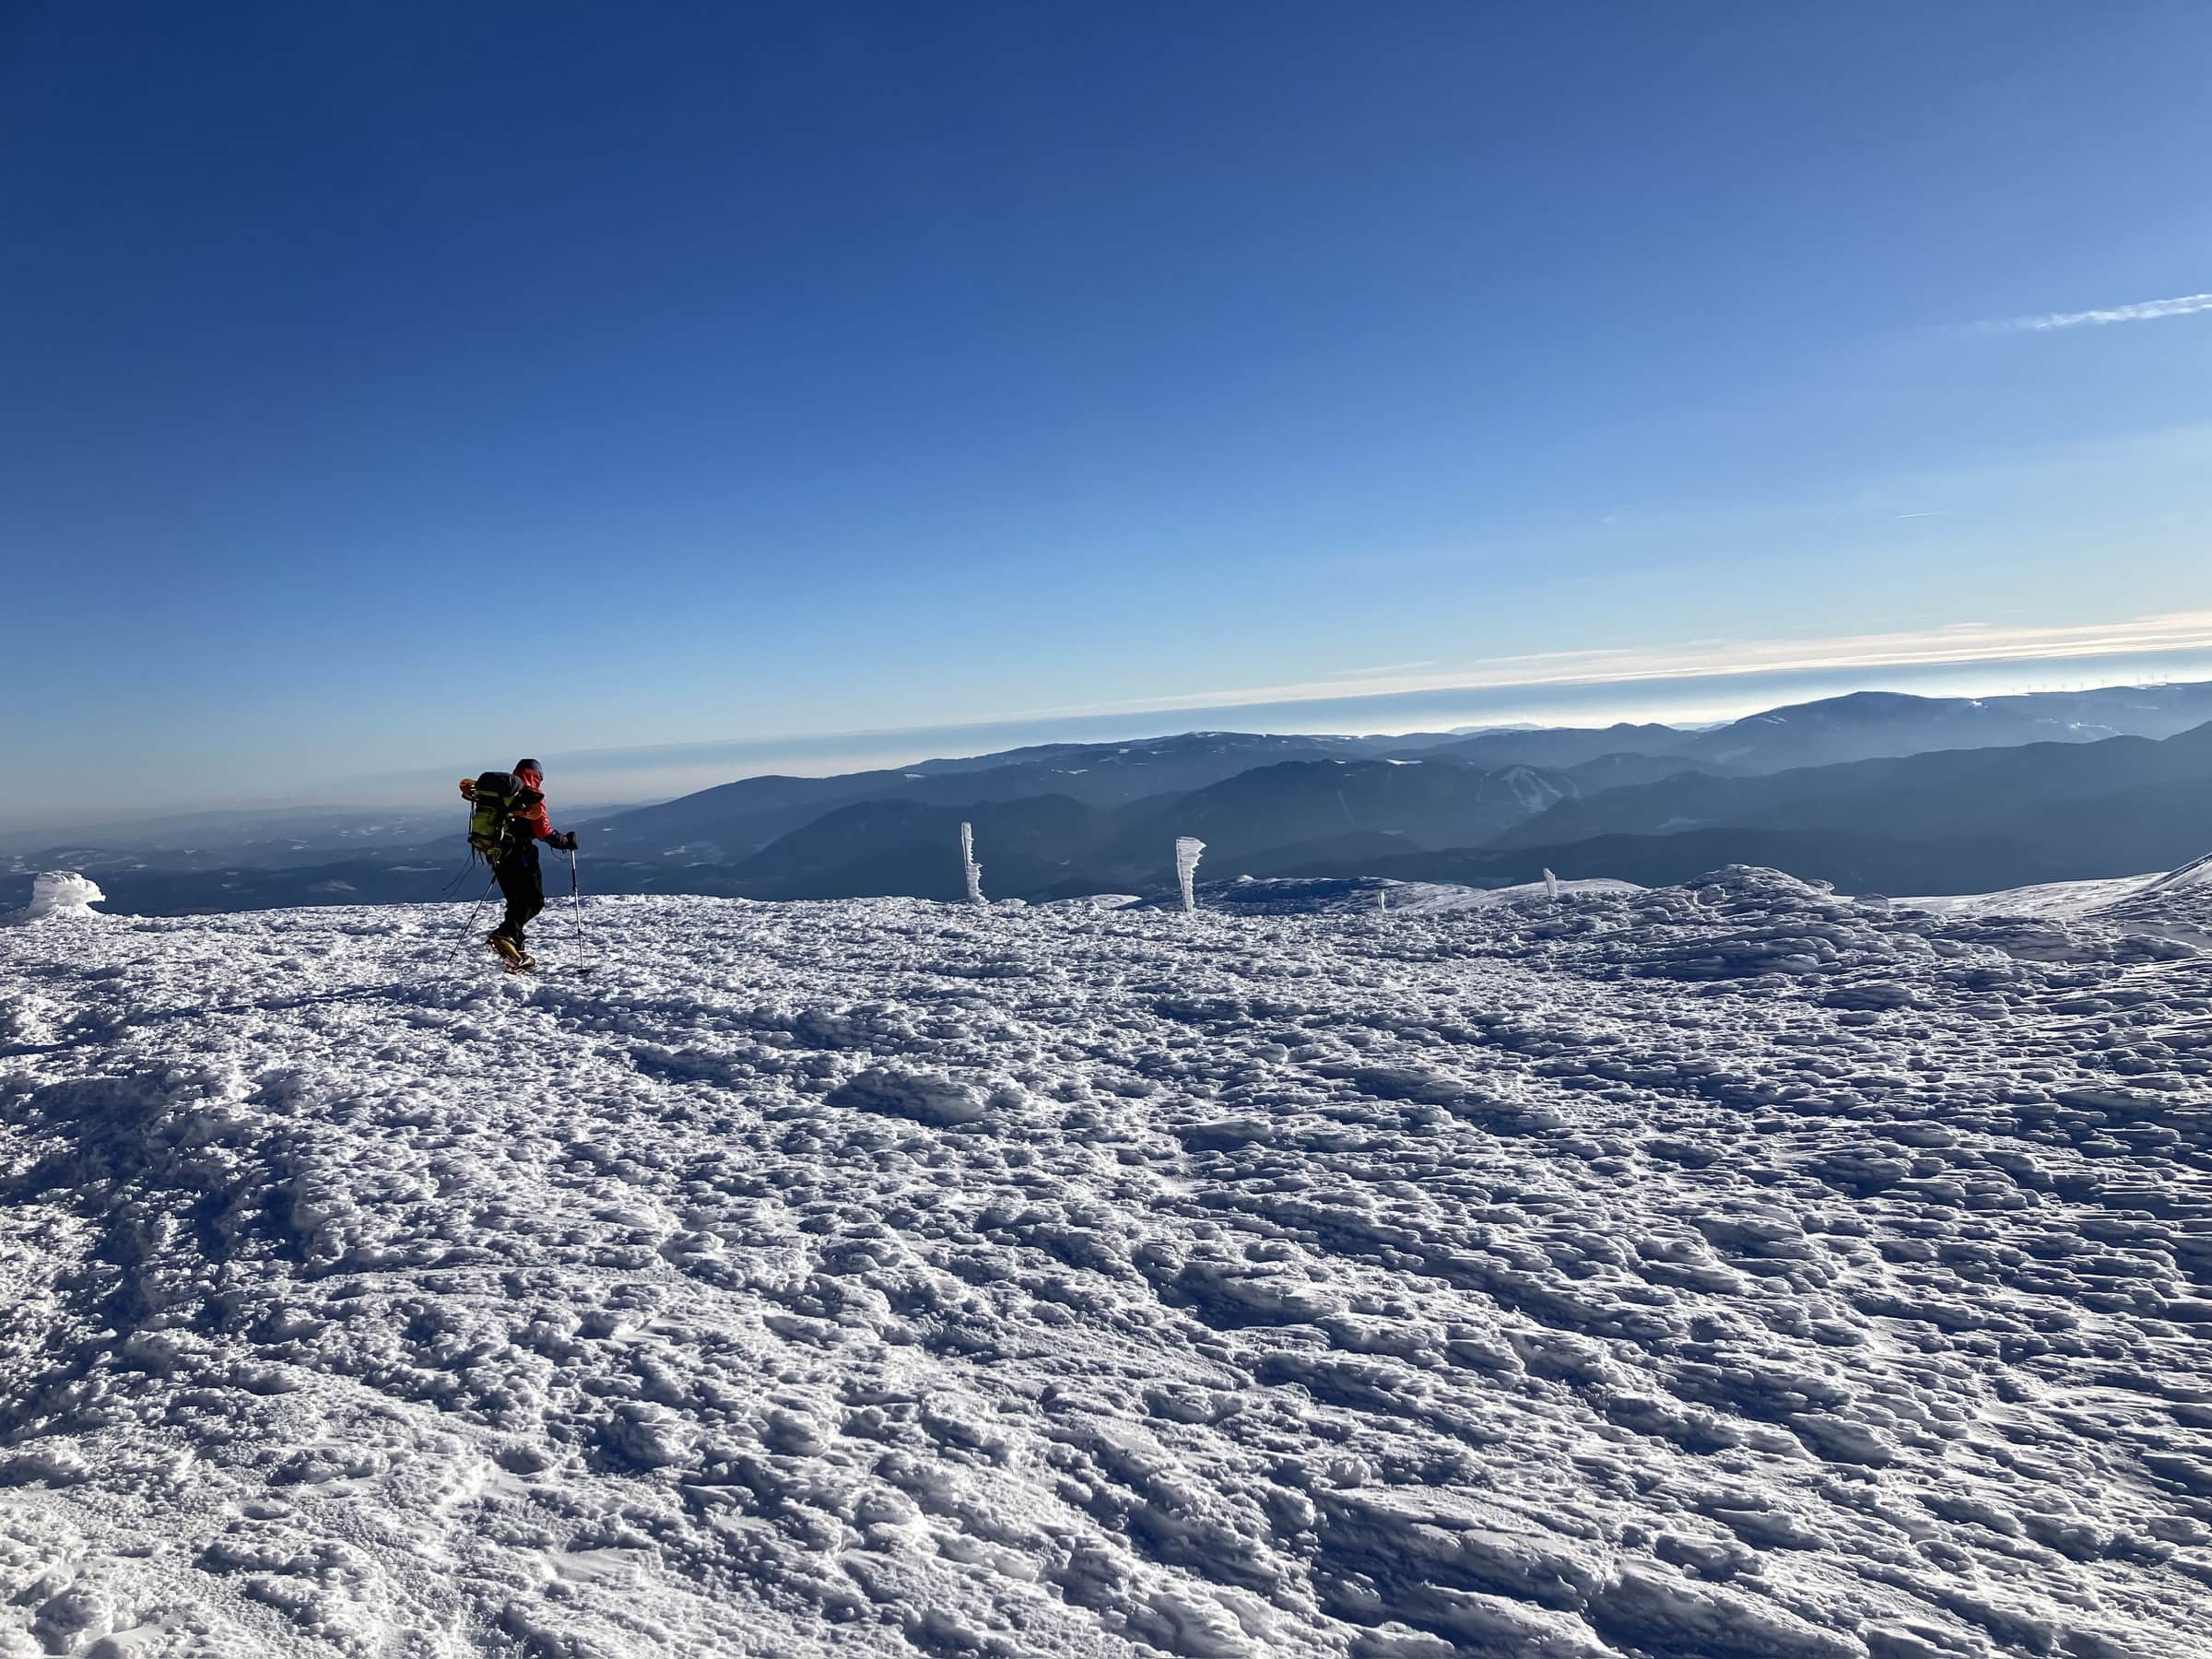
(562,840)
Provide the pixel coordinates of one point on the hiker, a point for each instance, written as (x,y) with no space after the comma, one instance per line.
(507,822)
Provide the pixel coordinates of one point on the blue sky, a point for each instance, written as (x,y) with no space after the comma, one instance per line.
(396,386)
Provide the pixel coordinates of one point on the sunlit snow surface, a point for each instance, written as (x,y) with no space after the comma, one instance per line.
(1730,1270)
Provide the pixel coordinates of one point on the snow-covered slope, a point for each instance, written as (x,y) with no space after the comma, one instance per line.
(2175,904)
(1723,1271)
(2060,901)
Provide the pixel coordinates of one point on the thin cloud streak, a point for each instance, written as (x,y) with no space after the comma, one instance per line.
(1956,642)
(2182,306)
(1346,674)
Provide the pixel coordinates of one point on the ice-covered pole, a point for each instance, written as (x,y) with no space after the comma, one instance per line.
(975,871)
(1187,848)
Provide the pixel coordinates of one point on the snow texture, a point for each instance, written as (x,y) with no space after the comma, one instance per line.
(1187,849)
(974,870)
(1734,1271)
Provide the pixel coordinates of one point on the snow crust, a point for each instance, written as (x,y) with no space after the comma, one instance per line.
(1733,1270)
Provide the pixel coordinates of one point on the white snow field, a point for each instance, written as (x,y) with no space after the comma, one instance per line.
(1732,1271)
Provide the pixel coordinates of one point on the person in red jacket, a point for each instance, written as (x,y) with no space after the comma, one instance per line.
(514,864)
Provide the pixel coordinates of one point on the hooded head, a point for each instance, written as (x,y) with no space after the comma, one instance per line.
(530,775)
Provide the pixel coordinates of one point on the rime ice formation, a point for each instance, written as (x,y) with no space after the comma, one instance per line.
(60,893)
(974,871)
(1733,1270)
(1187,850)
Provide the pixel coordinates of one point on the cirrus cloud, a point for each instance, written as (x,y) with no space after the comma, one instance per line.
(2143,311)
(1954,644)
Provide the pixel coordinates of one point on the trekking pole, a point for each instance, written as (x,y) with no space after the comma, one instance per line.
(576,909)
(470,926)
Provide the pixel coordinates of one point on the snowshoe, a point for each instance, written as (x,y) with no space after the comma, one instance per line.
(518,960)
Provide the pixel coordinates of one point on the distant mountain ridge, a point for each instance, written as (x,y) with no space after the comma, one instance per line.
(733,820)
(1959,821)
(1866,725)
(1044,842)
(1794,786)
(1561,746)
(736,819)
(1987,788)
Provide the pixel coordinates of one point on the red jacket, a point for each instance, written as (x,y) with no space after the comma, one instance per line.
(533,816)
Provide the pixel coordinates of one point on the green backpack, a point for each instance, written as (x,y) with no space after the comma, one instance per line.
(493,802)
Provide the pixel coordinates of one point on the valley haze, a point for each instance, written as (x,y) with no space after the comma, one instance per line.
(1871,791)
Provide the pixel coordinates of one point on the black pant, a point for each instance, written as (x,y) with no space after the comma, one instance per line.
(524,889)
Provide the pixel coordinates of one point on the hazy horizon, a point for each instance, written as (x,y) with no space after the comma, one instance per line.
(579,781)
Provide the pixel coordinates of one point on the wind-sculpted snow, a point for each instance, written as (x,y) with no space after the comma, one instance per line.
(1732,1271)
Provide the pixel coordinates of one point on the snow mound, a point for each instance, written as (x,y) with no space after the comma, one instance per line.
(1091,901)
(925,1097)
(1734,1271)
(1440,897)
(1358,895)
(61,893)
